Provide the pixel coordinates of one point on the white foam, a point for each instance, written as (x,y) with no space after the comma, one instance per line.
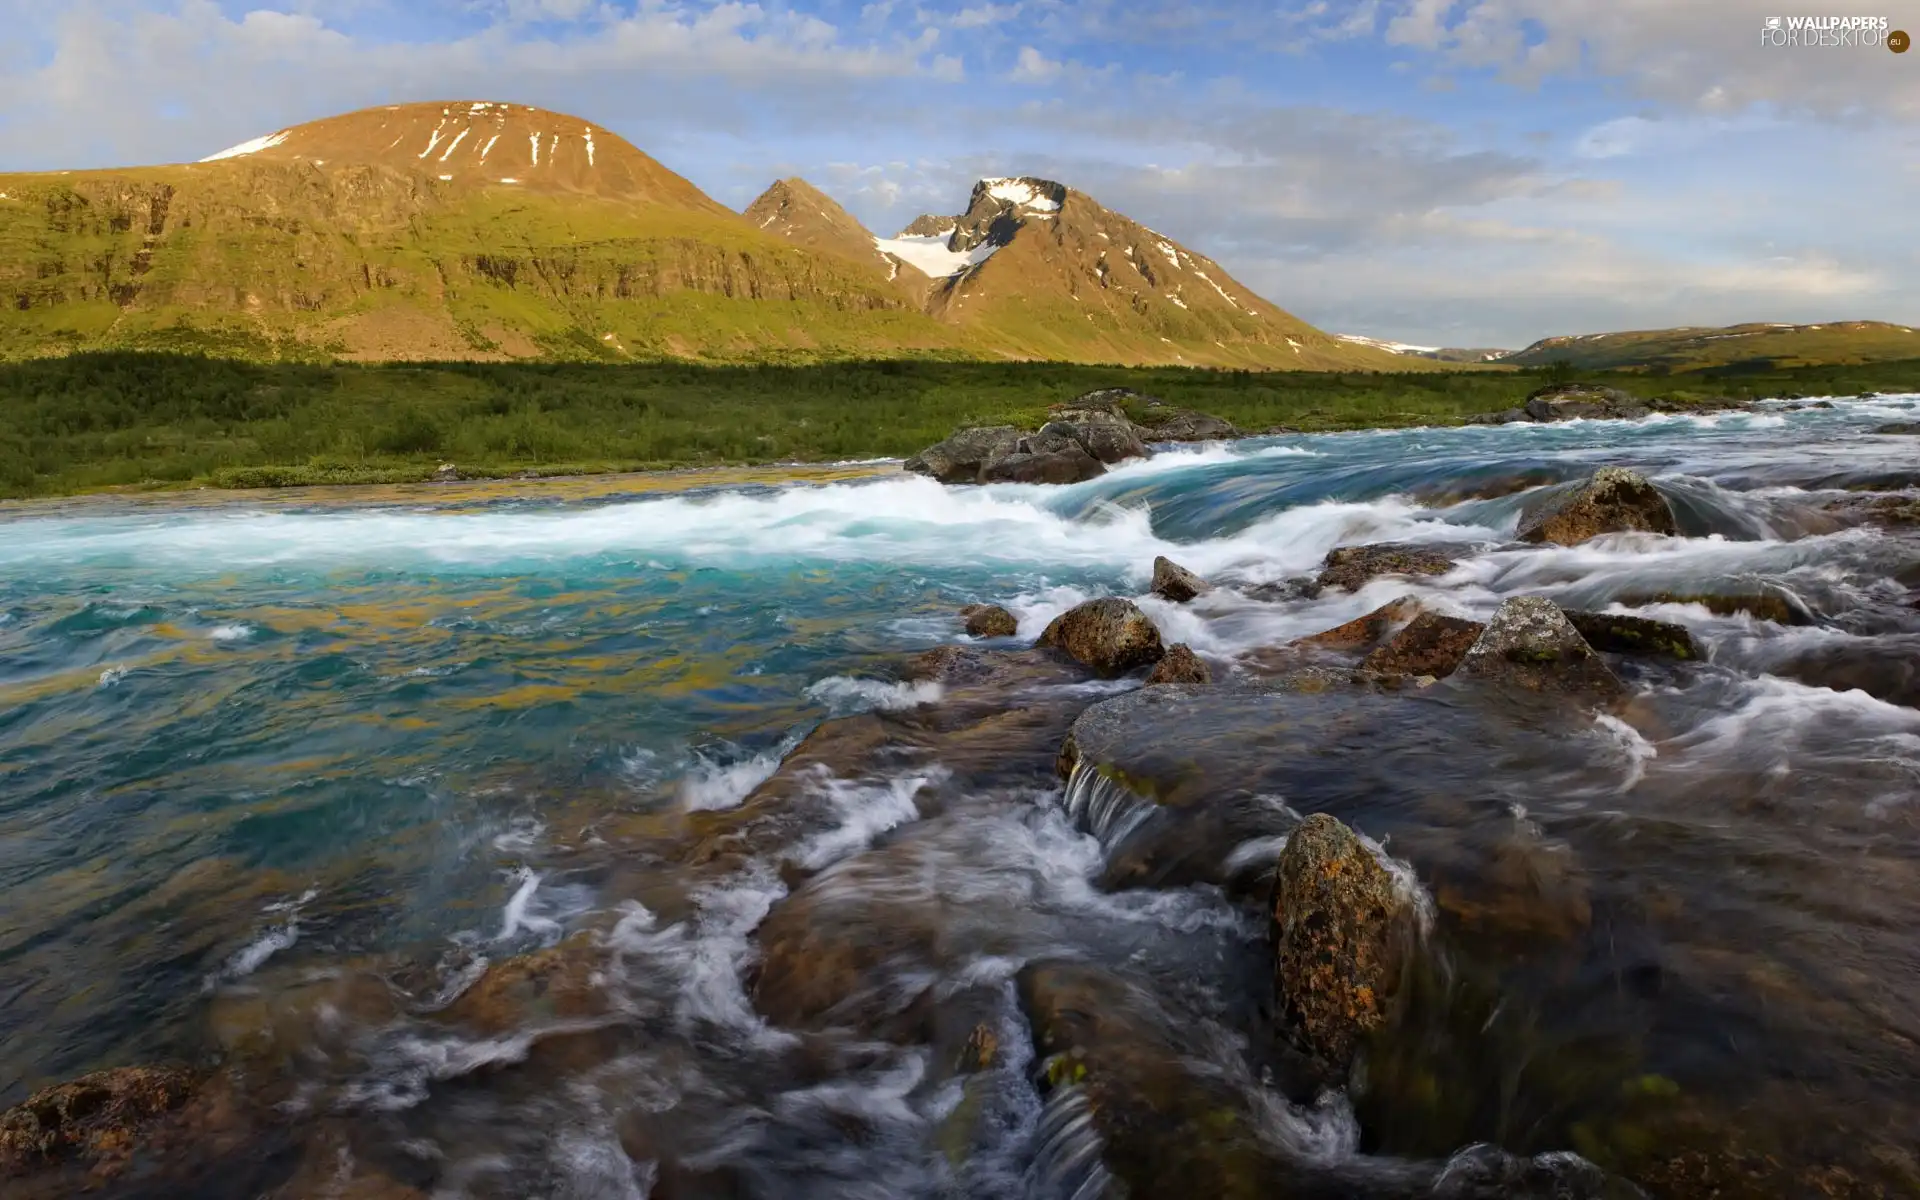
(254,146)
(844,695)
(1634,748)
(230,633)
(111,677)
(710,785)
(866,809)
(518,916)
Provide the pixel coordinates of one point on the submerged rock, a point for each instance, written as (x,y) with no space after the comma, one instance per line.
(990,620)
(1620,634)
(1769,605)
(1181,665)
(1531,645)
(1171,581)
(961,456)
(1615,500)
(1350,567)
(98,1119)
(1900,429)
(1366,630)
(1568,401)
(1110,635)
(1431,645)
(1340,933)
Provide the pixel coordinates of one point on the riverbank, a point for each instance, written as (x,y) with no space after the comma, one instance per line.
(97,423)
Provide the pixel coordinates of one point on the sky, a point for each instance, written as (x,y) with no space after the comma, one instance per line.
(1439,172)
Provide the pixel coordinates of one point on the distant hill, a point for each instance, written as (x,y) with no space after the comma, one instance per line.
(1437,353)
(1694,348)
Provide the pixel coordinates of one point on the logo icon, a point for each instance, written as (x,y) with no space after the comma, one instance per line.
(1773,23)
(1898,41)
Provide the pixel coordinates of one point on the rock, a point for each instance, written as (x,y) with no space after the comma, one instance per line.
(1071,465)
(960,457)
(1181,665)
(1281,592)
(1340,932)
(1619,634)
(1185,425)
(1171,581)
(1768,606)
(990,620)
(1112,401)
(98,1118)
(1900,429)
(1531,645)
(1431,645)
(1350,567)
(1110,635)
(1365,630)
(446,473)
(1107,436)
(981,1053)
(1568,401)
(1614,500)
(1504,417)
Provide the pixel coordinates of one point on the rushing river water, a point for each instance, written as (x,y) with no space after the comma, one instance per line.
(416,803)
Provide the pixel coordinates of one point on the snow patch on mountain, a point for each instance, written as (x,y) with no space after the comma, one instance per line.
(1020,193)
(250,147)
(1389,347)
(932,254)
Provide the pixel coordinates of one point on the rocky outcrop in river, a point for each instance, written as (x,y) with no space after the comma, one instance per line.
(1079,441)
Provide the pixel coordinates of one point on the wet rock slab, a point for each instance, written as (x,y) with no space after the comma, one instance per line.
(1350,567)
(1614,500)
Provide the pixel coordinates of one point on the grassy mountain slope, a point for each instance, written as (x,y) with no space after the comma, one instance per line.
(398,234)
(1757,346)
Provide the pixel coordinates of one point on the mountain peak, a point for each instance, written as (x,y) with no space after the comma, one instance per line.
(480,142)
(807,216)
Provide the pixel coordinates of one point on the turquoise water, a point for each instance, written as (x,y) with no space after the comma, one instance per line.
(240,737)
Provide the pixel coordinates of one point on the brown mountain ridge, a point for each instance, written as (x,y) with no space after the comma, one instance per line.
(487,230)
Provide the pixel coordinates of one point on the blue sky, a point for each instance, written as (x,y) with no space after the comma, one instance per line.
(1460,172)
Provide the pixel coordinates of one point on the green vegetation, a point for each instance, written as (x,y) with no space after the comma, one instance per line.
(96,421)
(1738,347)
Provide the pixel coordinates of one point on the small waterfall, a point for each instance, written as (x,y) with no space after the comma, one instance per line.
(1103,807)
(1067,1150)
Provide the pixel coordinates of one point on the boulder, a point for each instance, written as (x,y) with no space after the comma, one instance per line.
(1340,933)
(989,620)
(1618,634)
(1053,437)
(1367,630)
(1568,401)
(1507,416)
(1532,646)
(1071,465)
(446,473)
(1171,581)
(1900,429)
(1185,425)
(960,457)
(1113,401)
(1431,645)
(1110,635)
(1107,436)
(1350,567)
(96,1119)
(1614,500)
(1181,665)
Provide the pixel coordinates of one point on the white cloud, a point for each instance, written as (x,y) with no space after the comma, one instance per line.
(1034,67)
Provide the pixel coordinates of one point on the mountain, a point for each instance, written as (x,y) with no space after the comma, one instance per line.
(1694,348)
(485,230)
(1036,269)
(1448,354)
(471,230)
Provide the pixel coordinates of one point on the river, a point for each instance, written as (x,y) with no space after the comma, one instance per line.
(416,803)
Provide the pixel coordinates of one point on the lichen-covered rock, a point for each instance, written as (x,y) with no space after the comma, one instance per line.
(1340,933)
(989,620)
(1614,500)
(1350,567)
(1431,645)
(1107,436)
(1567,401)
(1621,634)
(1181,665)
(959,458)
(1186,425)
(97,1119)
(1366,630)
(1171,581)
(1531,645)
(1071,464)
(1110,635)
